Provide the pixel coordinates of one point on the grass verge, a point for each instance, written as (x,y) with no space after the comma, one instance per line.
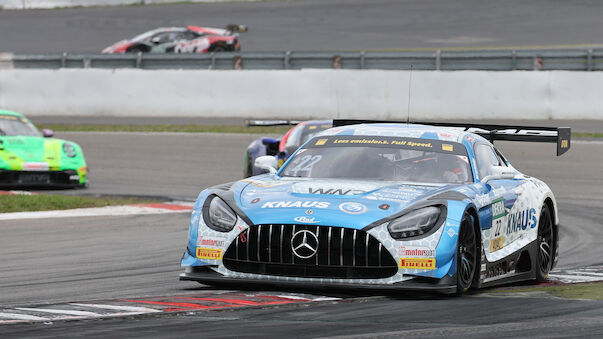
(587,135)
(48,202)
(592,291)
(190,128)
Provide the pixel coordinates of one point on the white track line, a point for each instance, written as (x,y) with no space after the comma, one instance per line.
(53,311)
(89,212)
(120,308)
(18,316)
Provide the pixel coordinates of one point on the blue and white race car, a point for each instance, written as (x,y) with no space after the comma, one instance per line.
(385,205)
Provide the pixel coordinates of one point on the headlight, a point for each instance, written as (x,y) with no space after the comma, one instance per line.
(415,223)
(219,216)
(69,149)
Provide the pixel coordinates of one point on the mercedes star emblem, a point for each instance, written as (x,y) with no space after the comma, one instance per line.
(304,244)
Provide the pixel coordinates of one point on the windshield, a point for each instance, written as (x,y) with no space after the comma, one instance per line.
(14,125)
(381,158)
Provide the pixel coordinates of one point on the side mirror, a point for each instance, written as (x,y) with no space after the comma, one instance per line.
(499,172)
(266,163)
(47,133)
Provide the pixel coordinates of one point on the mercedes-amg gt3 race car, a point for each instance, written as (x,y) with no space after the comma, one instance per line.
(406,206)
(30,158)
(281,148)
(190,39)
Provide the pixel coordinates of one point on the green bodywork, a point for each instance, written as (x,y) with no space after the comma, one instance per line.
(36,153)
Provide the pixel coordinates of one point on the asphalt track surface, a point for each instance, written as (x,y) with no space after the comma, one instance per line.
(318,25)
(91,258)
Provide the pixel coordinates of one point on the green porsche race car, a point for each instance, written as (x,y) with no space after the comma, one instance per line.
(29,158)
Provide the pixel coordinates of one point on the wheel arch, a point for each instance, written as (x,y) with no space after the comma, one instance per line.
(480,272)
(549,201)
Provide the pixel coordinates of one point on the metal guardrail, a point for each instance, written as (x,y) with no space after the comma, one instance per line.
(491,60)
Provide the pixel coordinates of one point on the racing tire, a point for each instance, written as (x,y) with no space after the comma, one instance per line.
(545,245)
(466,255)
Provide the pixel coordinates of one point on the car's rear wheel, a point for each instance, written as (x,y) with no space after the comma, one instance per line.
(466,255)
(545,245)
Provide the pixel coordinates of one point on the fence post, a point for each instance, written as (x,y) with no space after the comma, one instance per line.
(213,60)
(362,60)
(589,60)
(286,60)
(513,60)
(438,56)
(86,62)
(64,60)
(138,59)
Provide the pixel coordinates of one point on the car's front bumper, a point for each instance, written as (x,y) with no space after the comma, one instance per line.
(59,179)
(205,275)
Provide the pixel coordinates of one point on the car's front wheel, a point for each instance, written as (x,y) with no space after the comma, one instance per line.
(545,245)
(466,255)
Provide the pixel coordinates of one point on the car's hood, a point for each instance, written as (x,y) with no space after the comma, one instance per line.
(30,153)
(354,204)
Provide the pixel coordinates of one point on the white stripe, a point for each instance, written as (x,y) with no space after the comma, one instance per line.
(587,273)
(21,316)
(48,310)
(89,212)
(574,141)
(120,308)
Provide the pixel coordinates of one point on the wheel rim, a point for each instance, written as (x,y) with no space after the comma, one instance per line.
(545,243)
(466,254)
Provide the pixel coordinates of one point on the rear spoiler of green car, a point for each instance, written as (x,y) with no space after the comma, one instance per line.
(559,135)
(249,123)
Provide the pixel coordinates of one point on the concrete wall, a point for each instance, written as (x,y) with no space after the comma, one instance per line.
(304,94)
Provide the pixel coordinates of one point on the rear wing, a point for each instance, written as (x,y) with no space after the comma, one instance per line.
(236,28)
(559,135)
(249,123)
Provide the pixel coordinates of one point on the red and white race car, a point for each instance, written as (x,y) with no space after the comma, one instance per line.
(190,39)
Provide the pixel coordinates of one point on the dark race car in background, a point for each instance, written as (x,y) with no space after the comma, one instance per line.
(189,39)
(283,147)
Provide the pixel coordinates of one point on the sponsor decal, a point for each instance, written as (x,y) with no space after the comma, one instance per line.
(352,208)
(255,200)
(496,244)
(309,212)
(451,232)
(447,147)
(210,241)
(418,263)
(420,252)
(522,220)
(334,191)
(35,166)
(292,204)
(320,142)
(209,253)
(498,208)
(564,143)
(482,200)
(384,206)
(306,220)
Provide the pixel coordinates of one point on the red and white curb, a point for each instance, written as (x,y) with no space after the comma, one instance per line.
(157,208)
(577,275)
(206,301)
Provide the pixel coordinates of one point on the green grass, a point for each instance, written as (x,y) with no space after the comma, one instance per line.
(592,291)
(587,135)
(47,202)
(190,128)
